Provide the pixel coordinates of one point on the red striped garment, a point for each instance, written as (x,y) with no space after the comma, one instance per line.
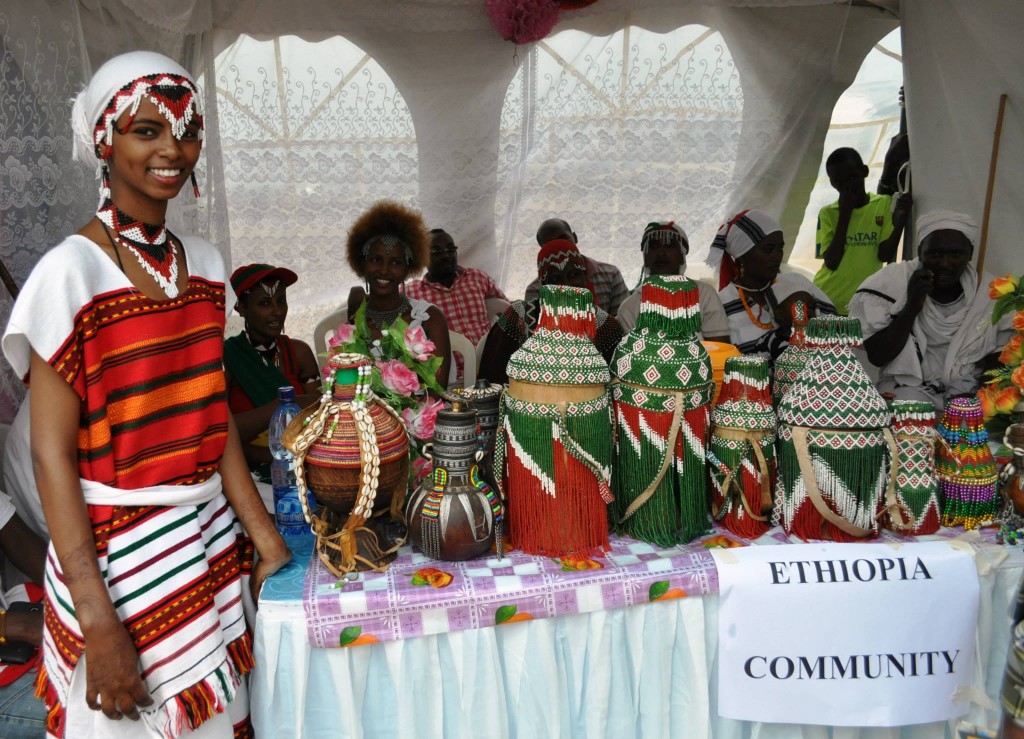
(153,425)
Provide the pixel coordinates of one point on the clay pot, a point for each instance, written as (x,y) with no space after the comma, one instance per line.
(454,514)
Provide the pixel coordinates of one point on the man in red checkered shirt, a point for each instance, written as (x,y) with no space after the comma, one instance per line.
(459,292)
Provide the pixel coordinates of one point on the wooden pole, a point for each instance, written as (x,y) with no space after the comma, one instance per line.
(983,244)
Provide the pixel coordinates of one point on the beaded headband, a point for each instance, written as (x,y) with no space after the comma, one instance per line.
(665,233)
(389,241)
(176,97)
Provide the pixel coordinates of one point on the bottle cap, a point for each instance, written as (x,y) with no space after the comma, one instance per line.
(286,393)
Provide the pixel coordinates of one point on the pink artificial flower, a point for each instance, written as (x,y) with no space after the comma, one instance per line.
(421,467)
(418,343)
(420,421)
(398,378)
(342,335)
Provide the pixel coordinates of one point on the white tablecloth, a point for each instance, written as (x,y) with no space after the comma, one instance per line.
(642,671)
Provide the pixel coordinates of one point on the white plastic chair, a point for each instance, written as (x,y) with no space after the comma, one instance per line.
(461,345)
(325,329)
(495,307)
(480,349)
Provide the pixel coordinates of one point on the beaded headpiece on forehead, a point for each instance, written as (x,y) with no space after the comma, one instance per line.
(389,241)
(664,232)
(176,97)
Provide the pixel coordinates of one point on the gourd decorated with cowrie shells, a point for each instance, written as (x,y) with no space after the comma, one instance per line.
(352,452)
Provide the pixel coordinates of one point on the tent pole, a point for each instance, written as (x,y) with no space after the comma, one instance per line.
(9,283)
(991,184)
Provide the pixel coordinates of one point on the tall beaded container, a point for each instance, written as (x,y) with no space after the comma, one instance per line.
(352,451)
(917,487)
(834,441)
(741,456)
(966,469)
(454,515)
(554,445)
(662,396)
(794,356)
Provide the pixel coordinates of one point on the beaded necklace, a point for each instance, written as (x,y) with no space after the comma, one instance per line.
(146,241)
(755,319)
(383,318)
(267,352)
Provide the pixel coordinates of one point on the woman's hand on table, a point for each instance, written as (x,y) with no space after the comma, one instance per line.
(265,567)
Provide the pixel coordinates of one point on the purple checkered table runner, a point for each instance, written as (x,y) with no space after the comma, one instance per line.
(418,596)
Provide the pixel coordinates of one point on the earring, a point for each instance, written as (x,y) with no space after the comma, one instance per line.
(104,183)
(195,185)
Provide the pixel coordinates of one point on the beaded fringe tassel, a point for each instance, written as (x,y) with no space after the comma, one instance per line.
(556,505)
(917,487)
(742,418)
(966,469)
(677,511)
(851,480)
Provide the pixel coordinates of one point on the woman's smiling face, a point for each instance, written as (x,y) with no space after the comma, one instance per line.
(385,269)
(146,162)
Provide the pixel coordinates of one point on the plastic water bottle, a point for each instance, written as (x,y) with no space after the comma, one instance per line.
(287,507)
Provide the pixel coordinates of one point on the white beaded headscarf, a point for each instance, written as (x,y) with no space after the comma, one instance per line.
(119,85)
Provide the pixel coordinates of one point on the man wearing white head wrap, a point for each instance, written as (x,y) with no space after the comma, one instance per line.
(138,461)
(926,321)
(748,253)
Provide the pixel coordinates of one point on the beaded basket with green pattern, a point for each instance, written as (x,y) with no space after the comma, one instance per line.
(834,442)
(553,453)
(917,487)
(741,456)
(662,395)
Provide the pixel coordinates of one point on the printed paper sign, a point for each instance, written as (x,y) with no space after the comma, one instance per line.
(846,634)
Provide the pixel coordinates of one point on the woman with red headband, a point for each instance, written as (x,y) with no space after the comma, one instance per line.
(748,253)
(559,262)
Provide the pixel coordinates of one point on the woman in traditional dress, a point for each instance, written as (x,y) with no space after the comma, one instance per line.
(387,245)
(748,251)
(138,462)
(559,262)
(261,358)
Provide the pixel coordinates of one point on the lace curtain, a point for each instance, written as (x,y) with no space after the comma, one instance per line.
(611,132)
(44,196)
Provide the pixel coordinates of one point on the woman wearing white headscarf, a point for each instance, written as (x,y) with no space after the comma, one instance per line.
(137,459)
(927,321)
(747,252)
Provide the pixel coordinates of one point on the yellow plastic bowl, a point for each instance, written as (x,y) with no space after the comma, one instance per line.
(719,352)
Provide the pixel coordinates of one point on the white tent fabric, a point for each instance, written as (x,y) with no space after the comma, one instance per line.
(631,111)
(959,57)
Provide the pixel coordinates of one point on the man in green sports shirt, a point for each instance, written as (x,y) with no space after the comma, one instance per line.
(859,233)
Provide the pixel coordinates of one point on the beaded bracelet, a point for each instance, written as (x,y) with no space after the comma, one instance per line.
(3,627)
